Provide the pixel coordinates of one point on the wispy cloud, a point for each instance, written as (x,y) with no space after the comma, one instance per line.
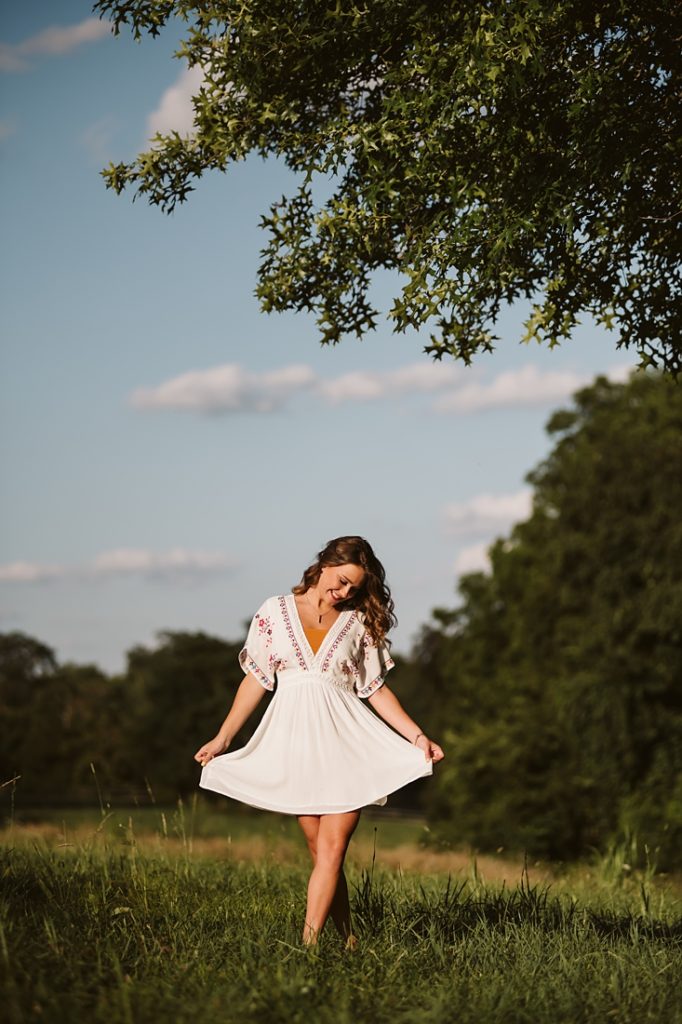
(528,386)
(473,558)
(225,389)
(175,112)
(522,388)
(30,572)
(417,378)
(52,41)
(486,513)
(484,516)
(231,389)
(176,564)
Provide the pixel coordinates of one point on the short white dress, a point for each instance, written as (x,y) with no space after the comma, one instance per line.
(318,748)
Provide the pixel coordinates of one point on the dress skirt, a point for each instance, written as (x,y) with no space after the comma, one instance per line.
(317,750)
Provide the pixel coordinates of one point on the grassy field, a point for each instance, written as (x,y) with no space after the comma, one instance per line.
(172,915)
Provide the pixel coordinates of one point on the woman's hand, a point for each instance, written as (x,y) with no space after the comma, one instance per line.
(210,750)
(431,750)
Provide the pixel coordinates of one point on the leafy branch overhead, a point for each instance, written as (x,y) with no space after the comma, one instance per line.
(486,152)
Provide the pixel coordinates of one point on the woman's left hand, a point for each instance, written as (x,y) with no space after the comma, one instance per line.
(431,750)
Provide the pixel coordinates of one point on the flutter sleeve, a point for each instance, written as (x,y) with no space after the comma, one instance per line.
(257,655)
(374,664)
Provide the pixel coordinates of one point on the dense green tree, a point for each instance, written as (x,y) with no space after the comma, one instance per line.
(139,730)
(566,659)
(57,721)
(484,152)
(76,724)
(179,694)
(25,664)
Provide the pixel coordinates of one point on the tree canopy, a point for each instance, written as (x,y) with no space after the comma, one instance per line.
(564,662)
(139,729)
(484,152)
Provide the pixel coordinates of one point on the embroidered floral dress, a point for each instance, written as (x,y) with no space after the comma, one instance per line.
(318,748)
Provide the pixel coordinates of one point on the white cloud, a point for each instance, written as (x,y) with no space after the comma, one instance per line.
(227,388)
(30,572)
(176,563)
(528,386)
(486,513)
(230,388)
(365,386)
(50,42)
(472,559)
(175,112)
(620,374)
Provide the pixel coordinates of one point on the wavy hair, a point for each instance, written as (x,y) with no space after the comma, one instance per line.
(372,598)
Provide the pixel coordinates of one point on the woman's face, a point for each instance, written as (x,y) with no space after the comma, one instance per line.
(339,582)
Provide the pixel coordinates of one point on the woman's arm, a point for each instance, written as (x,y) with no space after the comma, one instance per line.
(246,700)
(386,704)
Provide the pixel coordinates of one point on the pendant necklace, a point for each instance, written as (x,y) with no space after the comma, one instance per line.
(320,615)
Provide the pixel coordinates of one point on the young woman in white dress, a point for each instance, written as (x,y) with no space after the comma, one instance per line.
(319,752)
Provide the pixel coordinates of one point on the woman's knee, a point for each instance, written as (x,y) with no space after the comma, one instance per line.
(331,852)
(310,826)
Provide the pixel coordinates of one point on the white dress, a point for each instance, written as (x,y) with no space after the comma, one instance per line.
(318,748)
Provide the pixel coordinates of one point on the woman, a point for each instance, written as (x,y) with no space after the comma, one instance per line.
(318,752)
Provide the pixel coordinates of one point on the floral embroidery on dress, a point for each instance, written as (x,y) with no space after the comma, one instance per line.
(264,626)
(350,668)
(368,690)
(290,633)
(249,665)
(377,662)
(276,664)
(275,649)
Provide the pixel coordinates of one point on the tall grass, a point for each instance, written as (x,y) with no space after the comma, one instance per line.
(103,932)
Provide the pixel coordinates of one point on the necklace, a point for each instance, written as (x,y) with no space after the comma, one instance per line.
(320,615)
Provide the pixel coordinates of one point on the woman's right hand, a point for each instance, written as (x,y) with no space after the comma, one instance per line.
(210,750)
(432,751)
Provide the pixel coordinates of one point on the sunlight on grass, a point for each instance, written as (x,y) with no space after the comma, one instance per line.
(149,914)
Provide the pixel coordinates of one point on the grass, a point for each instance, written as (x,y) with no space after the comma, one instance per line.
(142,923)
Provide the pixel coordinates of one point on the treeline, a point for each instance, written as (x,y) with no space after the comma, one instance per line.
(139,729)
(555,685)
(561,669)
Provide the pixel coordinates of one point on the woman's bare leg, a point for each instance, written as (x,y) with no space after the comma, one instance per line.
(328,836)
(340,908)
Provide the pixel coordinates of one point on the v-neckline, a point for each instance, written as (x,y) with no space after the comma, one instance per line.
(330,635)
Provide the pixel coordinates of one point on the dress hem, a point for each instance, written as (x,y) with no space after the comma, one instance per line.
(379,799)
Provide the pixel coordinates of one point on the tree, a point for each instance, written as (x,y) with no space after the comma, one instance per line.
(483,152)
(565,660)
(25,665)
(140,729)
(179,694)
(76,722)
(57,720)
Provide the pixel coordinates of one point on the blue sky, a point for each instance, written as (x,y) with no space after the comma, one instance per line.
(170,455)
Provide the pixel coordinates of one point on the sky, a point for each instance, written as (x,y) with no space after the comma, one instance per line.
(170,455)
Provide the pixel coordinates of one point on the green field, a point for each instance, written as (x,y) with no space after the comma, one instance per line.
(175,915)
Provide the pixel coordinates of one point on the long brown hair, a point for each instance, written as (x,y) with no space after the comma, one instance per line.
(372,598)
